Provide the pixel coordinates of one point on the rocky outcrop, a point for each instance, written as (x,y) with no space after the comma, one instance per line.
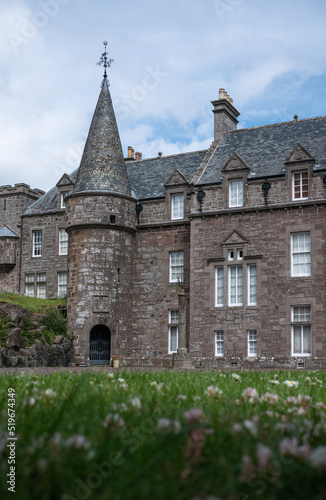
(19,324)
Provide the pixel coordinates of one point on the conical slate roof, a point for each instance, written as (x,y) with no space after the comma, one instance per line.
(102,167)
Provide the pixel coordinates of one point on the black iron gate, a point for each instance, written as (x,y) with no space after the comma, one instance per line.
(99,349)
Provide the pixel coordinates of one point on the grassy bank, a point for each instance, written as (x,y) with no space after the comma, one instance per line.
(191,436)
(31,303)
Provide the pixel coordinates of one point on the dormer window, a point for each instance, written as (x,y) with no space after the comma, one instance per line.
(236,193)
(177,203)
(300,185)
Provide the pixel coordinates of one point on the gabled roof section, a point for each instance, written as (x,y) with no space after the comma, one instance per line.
(299,154)
(235,238)
(148,177)
(176,178)
(265,148)
(235,163)
(6,232)
(65,180)
(47,204)
(102,167)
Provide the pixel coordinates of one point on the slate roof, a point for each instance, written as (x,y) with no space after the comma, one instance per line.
(102,167)
(147,177)
(266,148)
(47,204)
(6,232)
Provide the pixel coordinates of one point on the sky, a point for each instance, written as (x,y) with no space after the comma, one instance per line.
(170,59)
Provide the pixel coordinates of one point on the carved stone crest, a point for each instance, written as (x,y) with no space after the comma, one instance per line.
(101,304)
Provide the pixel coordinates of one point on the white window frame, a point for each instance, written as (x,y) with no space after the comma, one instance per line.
(62,199)
(304,255)
(236,193)
(219,286)
(37,236)
(173,330)
(252,282)
(30,285)
(301,320)
(176,267)
(177,206)
(252,343)
(41,286)
(62,284)
(301,197)
(63,242)
(238,286)
(219,343)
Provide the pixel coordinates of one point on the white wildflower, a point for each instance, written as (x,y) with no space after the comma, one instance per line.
(291,383)
(181,397)
(318,457)
(274,382)
(135,402)
(213,391)
(77,441)
(50,393)
(169,425)
(236,376)
(250,426)
(264,456)
(110,375)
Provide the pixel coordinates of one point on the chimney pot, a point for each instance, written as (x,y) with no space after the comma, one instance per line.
(131,152)
(138,155)
(221,94)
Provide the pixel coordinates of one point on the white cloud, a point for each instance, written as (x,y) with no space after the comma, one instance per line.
(170,60)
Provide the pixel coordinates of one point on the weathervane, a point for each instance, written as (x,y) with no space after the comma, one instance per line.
(104,60)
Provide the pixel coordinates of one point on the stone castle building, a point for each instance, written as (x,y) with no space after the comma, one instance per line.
(210,258)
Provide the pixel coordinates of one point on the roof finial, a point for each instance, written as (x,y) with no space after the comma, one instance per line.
(104,60)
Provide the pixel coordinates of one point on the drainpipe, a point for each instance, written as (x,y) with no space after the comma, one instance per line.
(20,253)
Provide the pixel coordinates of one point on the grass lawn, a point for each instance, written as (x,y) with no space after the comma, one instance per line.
(165,435)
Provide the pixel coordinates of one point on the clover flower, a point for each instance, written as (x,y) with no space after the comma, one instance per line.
(270,398)
(213,391)
(193,415)
(114,419)
(251,395)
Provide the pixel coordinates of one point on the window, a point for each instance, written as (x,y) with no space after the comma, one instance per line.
(236,193)
(231,255)
(29,285)
(240,254)
(252,285)
(300,186)
(219,286)
(176,267)
(252,342)
(301,330)
(62,284)
(63,201)
(300,254)
(235,286)
(177,206)
(63,242)
(173,330)
(41,286)
(37,243)
(219,343)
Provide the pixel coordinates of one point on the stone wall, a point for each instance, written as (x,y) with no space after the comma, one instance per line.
(265,237)
(50,262)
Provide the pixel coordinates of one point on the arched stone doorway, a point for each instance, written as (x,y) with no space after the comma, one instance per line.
(99,348)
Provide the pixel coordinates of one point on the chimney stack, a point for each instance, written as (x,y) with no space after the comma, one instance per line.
(225,116)
(131,153)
